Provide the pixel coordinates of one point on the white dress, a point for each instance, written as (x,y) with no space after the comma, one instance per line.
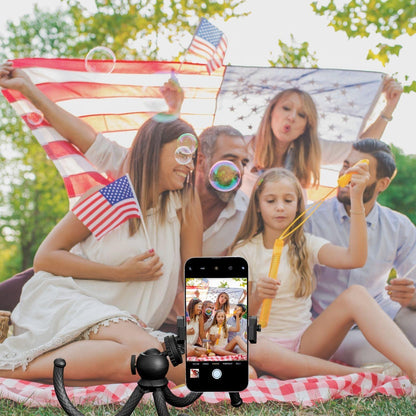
(55,310)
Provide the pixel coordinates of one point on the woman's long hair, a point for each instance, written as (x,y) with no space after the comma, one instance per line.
(253,225)
(144,167)
(226,306)
(307,149)
(191,307)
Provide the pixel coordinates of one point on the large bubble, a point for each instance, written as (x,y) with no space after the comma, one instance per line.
(165,117)
(224,176)
(188,140)
(100,59)
(183,155)
(35,118)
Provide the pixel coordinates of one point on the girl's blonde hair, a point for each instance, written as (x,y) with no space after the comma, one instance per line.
(253,225)
(226,306)
(224,326)
(307,150)
(144,168)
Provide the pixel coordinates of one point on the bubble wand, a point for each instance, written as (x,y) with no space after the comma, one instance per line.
(343,180)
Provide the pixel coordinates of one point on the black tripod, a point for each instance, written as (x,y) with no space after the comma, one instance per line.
(152,366)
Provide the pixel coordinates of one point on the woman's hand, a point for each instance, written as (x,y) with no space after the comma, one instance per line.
(267,288)
(142,268)
(392,91)
(173,95)
(13,78)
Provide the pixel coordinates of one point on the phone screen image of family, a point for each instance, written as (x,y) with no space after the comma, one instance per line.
(216,325)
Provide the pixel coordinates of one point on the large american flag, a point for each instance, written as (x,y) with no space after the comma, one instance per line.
(108,208)
(116,104)
(209,43)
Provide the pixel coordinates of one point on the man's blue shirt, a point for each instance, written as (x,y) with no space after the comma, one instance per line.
(391,244)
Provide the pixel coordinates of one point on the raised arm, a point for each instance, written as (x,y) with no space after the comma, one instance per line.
(67,125)
(191,232)
(392,91)
(355,255)
(237,326)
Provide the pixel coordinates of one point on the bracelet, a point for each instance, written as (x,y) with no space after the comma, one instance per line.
(385,118)
(357,212)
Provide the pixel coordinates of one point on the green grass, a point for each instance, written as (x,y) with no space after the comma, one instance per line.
(352,406)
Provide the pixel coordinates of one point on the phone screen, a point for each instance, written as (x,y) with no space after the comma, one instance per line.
(216,323)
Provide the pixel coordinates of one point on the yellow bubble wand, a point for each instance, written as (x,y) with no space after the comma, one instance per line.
(343,180)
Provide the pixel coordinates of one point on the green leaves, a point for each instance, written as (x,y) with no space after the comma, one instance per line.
(389,19)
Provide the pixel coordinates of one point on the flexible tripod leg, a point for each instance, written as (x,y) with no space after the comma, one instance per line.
(58,382)
(179,401)
(160,402)
(236,400)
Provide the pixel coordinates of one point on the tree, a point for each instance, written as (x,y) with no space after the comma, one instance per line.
(136,29)
(363,18)
(399,195)
(32,195)
(295,55)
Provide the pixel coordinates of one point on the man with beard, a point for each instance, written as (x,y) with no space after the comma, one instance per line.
(391,244)
(222,212)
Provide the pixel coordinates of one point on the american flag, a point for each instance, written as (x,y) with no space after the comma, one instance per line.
(109,207)
(116,104)
(209,43)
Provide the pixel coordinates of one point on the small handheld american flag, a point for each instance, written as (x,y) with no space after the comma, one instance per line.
(209,43)
(109,207)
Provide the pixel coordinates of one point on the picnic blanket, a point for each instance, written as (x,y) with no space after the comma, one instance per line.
(302,391)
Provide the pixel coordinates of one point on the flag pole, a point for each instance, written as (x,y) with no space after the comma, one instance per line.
(186,52)
(141,214)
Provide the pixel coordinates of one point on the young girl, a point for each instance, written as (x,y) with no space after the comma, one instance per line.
(222,302)
(218,335)
(275,202)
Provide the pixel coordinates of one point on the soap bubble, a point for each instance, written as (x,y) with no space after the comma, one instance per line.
(100,59)
(183,155)
(224,176)
(188,140)
(35,118)
(165,117)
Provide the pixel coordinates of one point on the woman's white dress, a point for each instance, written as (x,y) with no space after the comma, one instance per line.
(55,310)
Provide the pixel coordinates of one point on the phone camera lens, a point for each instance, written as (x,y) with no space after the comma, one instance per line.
(230,267)
(216,268)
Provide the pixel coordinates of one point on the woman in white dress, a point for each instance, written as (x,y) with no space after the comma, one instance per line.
(95,302)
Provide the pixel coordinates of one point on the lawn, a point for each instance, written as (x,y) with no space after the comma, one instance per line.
(353,406)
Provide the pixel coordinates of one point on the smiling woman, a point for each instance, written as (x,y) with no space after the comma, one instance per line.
(107,295)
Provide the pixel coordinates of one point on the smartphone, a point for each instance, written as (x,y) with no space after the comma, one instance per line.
(216,295)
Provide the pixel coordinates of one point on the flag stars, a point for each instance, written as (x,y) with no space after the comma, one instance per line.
(232,109)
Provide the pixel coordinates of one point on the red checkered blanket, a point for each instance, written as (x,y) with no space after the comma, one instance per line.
(302,391)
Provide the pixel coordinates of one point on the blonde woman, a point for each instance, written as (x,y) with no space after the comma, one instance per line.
(288,137)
